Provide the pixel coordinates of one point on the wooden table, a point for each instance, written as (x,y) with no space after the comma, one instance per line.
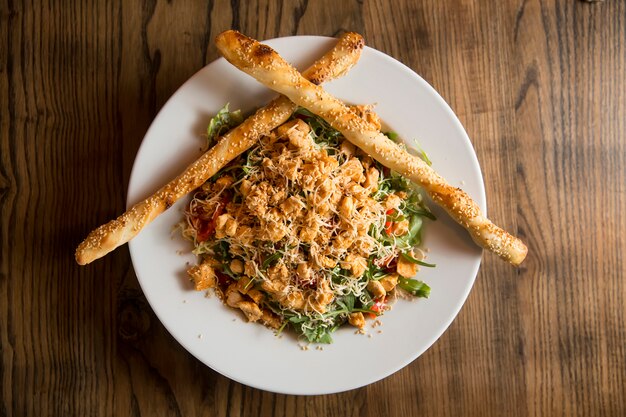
(540,88)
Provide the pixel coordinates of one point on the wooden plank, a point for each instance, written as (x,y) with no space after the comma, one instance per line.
(538,85)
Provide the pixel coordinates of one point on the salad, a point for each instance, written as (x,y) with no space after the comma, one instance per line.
(306,231)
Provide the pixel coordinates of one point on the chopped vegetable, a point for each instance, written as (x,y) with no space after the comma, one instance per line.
(415,287)
(416,261)
(221,123)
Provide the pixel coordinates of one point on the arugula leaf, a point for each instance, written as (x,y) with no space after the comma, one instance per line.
(222,251)
(273,257)
(415,287)
(314,334)
(222,122)
(373,272)
(226,269)
(345,311)
(393,136)
(248,166)
(282,327)
(298,319)
(346,302)
(420,212)
(416,261)
(323,133)
(366,300)
(318,329)
(414,236)
(322,336)
(384,187)
(421,153)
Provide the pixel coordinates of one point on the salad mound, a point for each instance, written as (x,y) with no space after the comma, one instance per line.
(305,230)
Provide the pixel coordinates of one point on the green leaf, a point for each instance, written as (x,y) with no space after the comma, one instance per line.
(298,319)
(222,122)
(366,300)
(222,251)
(421,153)
(226,269)
(415,287)
(317,334)
(323,134)
(416,261)
(373,272)
(282,327)
(348,301)
(414,205)
(270,259)
(413,237)
(345,311)
(393,136)
(424,213)
(324,337)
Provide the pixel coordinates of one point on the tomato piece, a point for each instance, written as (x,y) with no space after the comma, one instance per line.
(389,223)
(206,229)
(378,308)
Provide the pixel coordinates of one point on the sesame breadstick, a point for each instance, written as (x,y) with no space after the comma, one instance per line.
(109,236)
(263,63)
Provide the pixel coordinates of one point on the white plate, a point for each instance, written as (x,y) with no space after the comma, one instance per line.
(250,353)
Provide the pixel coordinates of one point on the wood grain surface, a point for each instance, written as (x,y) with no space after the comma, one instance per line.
(540,86)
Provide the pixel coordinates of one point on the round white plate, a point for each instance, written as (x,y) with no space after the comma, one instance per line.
(250,353)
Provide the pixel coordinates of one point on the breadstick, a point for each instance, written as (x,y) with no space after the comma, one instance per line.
(109,236)
(264,64)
